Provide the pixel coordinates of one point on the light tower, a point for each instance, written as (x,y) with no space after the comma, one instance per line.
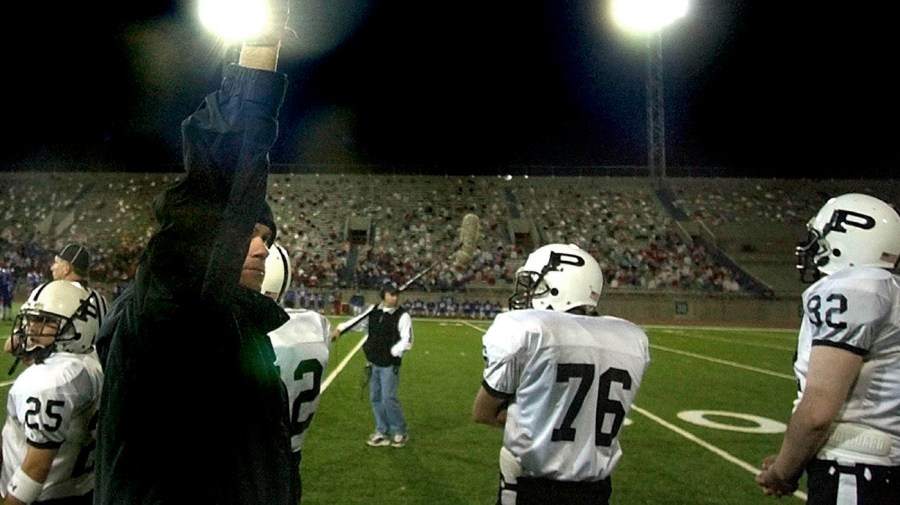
(234,20)
(656,110)
(649,17)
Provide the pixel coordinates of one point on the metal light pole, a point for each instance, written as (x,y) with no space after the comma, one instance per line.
(649,17)
(656,114)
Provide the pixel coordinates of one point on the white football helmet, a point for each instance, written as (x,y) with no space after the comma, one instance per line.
(850,230)
(278,272)
(67,305)
(558,277)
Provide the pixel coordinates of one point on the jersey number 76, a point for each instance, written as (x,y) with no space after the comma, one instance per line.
(605,404)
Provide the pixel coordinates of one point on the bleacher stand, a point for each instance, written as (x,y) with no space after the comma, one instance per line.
(686,239)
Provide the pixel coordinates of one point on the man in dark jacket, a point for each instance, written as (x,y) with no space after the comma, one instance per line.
(193,409)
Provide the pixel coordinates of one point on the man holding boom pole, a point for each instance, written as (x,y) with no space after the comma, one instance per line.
(390,336)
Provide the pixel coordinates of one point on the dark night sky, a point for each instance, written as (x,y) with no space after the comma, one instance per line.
(751,88)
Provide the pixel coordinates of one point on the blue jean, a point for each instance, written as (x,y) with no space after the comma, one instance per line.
(383,386)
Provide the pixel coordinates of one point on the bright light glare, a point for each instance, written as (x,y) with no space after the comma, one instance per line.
(234,20)
(648,15)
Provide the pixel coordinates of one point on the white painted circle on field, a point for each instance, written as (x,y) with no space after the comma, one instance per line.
(763,425)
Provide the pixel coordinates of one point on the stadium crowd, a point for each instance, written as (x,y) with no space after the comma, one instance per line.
(91,412)
(414,222)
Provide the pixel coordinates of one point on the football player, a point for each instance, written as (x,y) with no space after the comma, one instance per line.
(845,427)
(302,347)
(560,379)
(48,437)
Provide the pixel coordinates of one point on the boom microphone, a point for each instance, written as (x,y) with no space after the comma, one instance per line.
(463,256)
(469,233)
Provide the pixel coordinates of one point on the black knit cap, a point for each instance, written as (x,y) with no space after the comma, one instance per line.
(78,257)
(267,218)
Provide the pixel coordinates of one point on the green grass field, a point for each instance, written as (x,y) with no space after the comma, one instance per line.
(6,360)
(742,378)
(451,460)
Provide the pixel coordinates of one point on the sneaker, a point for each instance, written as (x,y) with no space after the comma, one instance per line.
(399,440)
(378,440)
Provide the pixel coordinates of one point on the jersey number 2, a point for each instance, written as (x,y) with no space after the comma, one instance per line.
(605,404)
(306,366)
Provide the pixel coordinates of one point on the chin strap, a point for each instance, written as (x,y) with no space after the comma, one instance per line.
(15,365)
(36,356)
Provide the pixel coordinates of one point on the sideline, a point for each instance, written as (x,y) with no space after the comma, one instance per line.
(725,362)
(706,445)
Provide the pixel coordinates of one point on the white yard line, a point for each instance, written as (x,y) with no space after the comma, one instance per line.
(725,362)
(334,372)
(470,325)
(706,445)
(720,328)
(665,333)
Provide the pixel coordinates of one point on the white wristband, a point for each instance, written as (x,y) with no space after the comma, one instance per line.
(24,487)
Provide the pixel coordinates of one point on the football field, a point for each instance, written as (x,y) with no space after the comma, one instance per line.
(712,405)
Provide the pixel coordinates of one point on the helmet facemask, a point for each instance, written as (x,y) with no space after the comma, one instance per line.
(529,285)
(36,333)
(810,256)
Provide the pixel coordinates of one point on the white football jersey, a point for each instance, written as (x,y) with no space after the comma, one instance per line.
(858,309)
(572,380)
(54,404)
(302,346)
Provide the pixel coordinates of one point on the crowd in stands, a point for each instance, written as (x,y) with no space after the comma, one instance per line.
(719,201)
(414,223)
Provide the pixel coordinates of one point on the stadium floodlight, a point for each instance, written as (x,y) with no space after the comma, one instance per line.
(650,17)
(234,20)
